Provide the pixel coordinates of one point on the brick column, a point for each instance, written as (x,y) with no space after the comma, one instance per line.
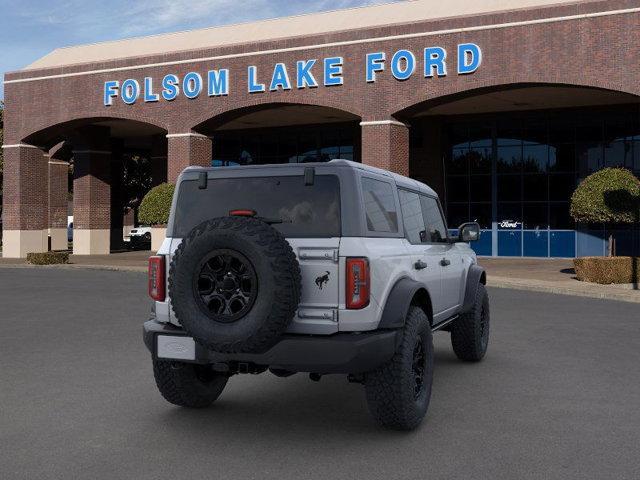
(385,144)
(158,160)
(91,202)
(187,149)
(58,191)
(25,210)
(91,190)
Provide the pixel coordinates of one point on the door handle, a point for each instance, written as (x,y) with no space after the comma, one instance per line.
(420,265)
(445,262)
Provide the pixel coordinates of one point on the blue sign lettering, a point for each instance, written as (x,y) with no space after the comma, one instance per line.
(469,58)
(254,87)
(149,96)
(402,67)
(192,85)
(170,86)
(333,71)
(434,59)
(403,64)
(130,91)
(304,77)
(218,82)
(375,63)
(110,92)
(280,78)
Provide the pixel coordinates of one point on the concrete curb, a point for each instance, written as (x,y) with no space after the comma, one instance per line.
(74,266)
(603,292)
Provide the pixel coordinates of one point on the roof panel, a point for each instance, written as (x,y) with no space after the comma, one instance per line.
(278,28)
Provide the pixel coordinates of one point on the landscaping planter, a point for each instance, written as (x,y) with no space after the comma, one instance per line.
(608,270)
(48,258)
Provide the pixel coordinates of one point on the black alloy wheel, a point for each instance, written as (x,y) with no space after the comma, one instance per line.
(225,285)
(419,367)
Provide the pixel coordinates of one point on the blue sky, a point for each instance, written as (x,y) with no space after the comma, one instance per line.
(30,29)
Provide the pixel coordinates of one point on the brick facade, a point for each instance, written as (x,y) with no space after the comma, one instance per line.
(386,145)
(589,43)
(58,188)
(570,52)
(92,189)
(25,194)
(186,150)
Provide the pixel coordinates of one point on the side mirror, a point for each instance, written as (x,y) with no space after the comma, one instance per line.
(469,232)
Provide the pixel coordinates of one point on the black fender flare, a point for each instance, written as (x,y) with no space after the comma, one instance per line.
(398,303)
(475,276)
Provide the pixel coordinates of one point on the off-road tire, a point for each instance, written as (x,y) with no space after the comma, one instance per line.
(188,385)
(277,275)
(390,389)
(470,332)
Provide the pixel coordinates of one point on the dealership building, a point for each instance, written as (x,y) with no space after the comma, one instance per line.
(501,106)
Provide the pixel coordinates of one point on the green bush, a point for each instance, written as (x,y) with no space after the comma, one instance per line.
(611,195)
(156,204)
(48,258)
(607,270)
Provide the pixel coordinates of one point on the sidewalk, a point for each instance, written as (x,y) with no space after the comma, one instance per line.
(539,275)
(126,261)
(551,276)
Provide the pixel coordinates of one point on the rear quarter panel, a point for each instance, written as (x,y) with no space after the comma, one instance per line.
(389,261)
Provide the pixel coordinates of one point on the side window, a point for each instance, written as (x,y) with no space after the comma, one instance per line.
(436,230)
(380,206)
(412,216)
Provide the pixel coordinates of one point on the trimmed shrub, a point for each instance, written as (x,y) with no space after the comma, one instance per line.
(611,195)
(48,258)
(156,205)
(607,270)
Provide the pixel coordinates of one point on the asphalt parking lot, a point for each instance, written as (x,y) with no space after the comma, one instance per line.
(558,396)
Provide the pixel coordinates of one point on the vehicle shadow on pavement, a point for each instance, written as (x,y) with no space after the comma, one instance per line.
(264,405)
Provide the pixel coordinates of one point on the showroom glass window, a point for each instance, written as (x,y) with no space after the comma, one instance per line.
(300,144)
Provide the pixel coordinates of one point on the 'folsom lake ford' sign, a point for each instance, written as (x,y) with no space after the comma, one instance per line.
(215,83)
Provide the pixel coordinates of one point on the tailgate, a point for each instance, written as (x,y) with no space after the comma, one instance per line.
(318,310)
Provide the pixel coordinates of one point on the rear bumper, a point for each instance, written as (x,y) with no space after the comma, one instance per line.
(337,353)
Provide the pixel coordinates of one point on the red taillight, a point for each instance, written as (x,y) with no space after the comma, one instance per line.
(156,278)
(242,213)
(357,282)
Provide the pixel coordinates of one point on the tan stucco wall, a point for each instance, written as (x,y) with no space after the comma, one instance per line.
(17,243)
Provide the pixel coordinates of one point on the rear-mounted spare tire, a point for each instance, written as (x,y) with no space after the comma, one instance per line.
(234,284)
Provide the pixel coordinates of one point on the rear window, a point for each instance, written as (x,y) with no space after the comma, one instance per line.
(380,206)
(305,210)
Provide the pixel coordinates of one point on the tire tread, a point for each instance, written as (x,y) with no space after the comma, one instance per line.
(389,389)
(180,386)
(465,331)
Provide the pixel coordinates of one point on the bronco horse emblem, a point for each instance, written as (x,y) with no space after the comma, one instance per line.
(322,279)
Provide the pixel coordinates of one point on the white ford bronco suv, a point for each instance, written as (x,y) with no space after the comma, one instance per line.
(322,268)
